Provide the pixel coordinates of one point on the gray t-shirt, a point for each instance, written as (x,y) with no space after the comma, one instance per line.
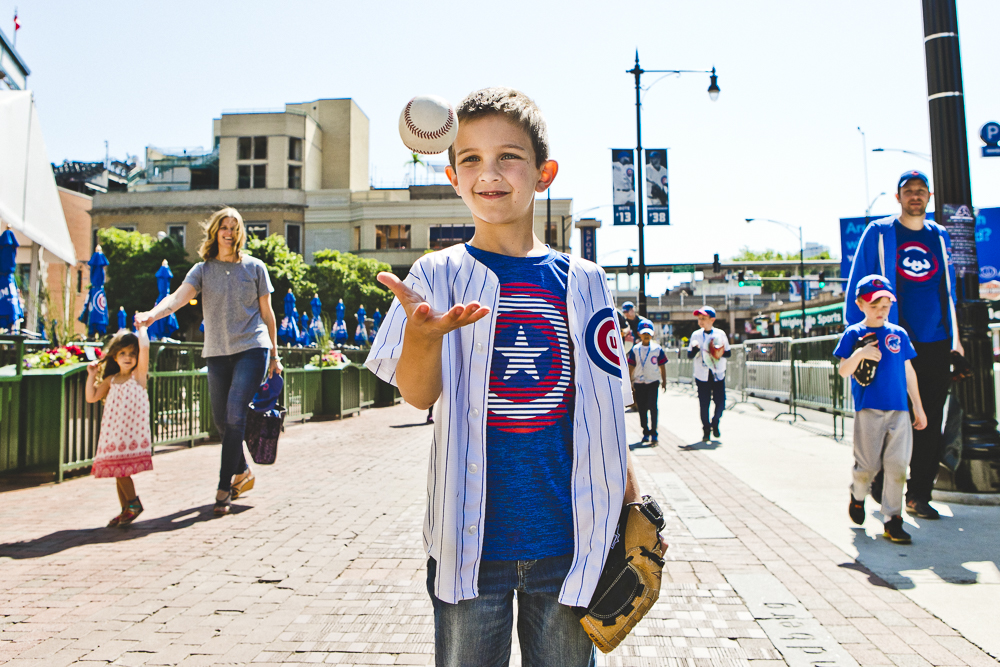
(230,293)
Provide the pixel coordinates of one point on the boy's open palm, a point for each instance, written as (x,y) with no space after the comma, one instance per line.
(425,320)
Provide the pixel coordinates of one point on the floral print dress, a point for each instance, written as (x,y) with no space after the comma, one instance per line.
(124,447)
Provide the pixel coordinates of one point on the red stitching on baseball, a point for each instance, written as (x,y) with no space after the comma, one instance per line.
(424,134)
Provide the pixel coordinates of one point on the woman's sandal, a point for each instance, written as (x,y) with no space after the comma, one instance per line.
(243,485)
(130,513)
(222,506)
(115,521)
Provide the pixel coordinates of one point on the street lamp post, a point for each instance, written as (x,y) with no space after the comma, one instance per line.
(637,72)
(980,460)
(922,156)
(868,211)
(802,263)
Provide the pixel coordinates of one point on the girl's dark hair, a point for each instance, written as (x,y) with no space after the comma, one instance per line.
(122,340)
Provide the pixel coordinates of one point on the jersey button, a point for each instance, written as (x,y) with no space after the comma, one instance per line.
(473,468)
(475,412)
(479,347)
(472,530)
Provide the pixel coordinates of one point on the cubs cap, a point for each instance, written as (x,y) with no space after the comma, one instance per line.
(913,174)
(708,311)
(645,326)
(628,305)
(875,287)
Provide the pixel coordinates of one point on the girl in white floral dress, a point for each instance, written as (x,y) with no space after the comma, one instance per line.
(125,445)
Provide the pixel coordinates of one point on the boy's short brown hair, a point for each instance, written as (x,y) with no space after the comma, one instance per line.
(514,105)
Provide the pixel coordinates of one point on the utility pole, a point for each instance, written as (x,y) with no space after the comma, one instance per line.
(953,208)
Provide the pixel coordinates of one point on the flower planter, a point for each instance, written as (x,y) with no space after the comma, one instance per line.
(369,386)
(341,390)
(386,394)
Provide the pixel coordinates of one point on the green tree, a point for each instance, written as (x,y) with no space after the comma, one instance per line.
(341,275)
(747,255)
(133,259)
(287,270)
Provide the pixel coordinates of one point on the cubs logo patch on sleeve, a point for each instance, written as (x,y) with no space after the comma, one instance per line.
(602,342)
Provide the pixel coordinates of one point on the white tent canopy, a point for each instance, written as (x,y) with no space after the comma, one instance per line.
(29,201)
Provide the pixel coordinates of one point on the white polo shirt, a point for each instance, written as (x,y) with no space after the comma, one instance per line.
(456,488)
(705,363)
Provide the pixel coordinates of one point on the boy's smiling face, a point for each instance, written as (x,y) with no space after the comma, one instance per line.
(495,172)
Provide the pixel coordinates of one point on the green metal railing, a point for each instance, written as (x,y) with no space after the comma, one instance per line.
(179,409)
(12,348)
(303,390)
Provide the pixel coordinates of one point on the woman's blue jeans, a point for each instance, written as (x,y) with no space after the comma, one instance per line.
(477,632)
(232,382)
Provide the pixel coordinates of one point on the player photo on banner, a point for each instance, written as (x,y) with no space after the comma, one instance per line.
(623,178)
(657,199)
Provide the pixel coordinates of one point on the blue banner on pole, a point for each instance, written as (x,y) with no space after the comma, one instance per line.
(623,181)
(588,243)
(657,187)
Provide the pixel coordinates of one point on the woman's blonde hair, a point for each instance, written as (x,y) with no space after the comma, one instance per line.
(210,244)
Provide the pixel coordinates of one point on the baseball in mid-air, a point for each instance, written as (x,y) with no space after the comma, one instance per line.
(428,124)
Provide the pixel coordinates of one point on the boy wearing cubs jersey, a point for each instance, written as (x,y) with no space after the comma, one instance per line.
(882,435)
(520,349)
(709,347)
(647,365)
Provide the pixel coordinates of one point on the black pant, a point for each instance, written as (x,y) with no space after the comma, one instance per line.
(645,400)
(933,367)
(708,391)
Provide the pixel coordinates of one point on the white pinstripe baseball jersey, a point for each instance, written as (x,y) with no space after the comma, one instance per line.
(456,489)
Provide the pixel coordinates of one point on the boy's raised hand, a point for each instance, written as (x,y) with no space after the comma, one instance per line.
(426,321)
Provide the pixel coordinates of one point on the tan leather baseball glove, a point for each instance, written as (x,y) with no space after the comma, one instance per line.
(630,582)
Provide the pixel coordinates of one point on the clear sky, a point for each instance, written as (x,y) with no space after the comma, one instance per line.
(781,142)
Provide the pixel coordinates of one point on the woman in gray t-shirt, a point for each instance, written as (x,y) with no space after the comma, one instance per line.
(241,346)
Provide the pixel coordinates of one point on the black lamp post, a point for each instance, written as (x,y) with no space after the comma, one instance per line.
(637,72)
(979,470)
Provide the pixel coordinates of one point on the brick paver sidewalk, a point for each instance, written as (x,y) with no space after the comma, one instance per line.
(323,563)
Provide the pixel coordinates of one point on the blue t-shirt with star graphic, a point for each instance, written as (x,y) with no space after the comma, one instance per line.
(529,424)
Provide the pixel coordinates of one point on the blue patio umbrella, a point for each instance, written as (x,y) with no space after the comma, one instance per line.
(317,317)
(95,311)
(360,334)
(288,333)
(122,318)
(376,323)
(10,300)
(164,327)
(306,337)
(340,327)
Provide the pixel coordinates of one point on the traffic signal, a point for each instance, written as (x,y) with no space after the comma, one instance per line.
(629,269)
(742,277)
(716,264)
(822,279)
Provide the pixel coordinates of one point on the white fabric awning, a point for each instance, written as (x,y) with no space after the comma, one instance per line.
(29,201)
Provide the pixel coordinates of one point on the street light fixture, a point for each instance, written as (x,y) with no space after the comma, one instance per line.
(637,72)
(802,265)
(922,156)
(868,211)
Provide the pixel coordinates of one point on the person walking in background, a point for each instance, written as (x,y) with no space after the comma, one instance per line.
(709,347)
(882,434)
(918,251)
(241,345)
(124,446)
(647,365)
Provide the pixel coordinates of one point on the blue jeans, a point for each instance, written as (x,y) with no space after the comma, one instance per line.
(711,391)
(477,632)
(232,382)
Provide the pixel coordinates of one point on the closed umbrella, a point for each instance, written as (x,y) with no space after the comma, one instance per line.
(122,318)
(317,317)
(289,331)
(167,326)
(95,311)
(376,323)
(340,327)
(10,300)
(360,334)
(305,331)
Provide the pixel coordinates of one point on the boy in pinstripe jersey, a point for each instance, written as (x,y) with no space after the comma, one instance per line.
(519,348)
